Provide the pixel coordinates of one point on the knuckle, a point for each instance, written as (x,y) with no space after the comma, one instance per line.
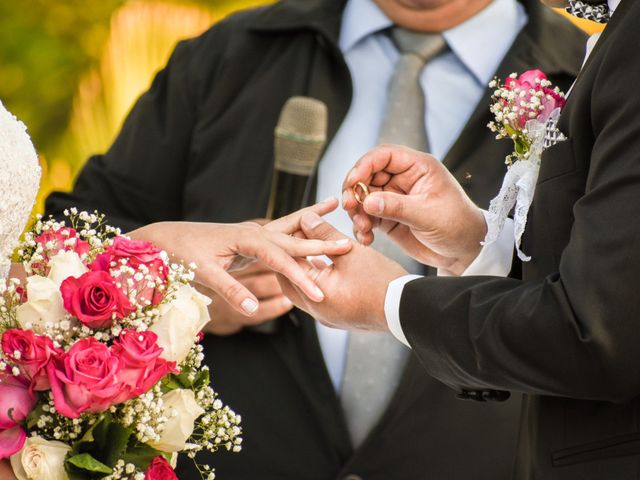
(233,290)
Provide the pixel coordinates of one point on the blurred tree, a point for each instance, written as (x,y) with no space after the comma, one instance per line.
(71,69)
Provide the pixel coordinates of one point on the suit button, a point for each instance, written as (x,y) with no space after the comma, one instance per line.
(353,477)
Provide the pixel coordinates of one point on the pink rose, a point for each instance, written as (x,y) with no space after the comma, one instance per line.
(160,469)
(140,364)
(33,354)
(16,402)
(53,241)
(532,81)
(136,251)
(550,101)
(94,299)
(85,378)
(141,257)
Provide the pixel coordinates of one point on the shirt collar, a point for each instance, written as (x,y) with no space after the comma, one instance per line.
(477,43)
(613,4)
(361,18)
(481,42)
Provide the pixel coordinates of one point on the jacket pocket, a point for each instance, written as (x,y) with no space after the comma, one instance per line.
(619,446)
(557,160)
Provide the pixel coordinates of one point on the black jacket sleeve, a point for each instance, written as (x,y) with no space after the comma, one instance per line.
(140,178)
(575,333)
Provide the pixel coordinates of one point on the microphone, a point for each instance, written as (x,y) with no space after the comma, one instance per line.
(300,138)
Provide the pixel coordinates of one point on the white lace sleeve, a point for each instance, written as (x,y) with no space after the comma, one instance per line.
(19,182)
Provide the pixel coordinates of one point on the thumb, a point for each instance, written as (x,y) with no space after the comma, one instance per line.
(404,209)
(315,227)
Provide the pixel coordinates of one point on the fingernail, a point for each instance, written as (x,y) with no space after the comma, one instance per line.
(249,306)
(287,303)
(343,241)
(374,204)
(345,197)
(351,176)
(359,237)
(319,293)
(311,220)
(329,200)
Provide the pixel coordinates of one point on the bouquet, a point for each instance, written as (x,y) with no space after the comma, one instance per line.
(101,373)
(526,110)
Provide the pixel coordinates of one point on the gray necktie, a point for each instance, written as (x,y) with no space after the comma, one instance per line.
(375,361)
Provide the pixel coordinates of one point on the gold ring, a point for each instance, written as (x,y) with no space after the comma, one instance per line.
(357,189)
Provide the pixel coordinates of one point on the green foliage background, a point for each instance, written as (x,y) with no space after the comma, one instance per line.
(46,48)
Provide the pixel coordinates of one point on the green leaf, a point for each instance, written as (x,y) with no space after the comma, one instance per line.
(87,463)
(173,381)
(105,441)
(141,455)
(32,418)
(202,379)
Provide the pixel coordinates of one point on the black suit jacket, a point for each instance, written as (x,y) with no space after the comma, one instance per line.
(198,146)
(567,333)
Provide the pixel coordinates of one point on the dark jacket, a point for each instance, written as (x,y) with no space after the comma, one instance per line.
(567,334)
(198,146)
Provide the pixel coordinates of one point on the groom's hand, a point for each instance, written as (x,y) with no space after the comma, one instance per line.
(355,285)
(419,204)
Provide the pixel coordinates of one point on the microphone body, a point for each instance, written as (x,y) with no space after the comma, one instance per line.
(300,138)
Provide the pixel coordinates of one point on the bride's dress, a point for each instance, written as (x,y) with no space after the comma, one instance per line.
(19,182)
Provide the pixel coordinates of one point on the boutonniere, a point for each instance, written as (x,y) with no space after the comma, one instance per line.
(526,110)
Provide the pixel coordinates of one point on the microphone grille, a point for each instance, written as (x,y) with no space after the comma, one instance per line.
(300,135)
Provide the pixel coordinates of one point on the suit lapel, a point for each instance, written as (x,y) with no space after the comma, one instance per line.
(534,48)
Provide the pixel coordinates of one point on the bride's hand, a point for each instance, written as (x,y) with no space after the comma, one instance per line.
(214,247)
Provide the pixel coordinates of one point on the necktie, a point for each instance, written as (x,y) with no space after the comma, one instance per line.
(375,361)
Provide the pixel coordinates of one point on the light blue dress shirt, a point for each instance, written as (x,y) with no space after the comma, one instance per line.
(453,83)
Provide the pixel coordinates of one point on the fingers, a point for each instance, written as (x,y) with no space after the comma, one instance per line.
(291,223)
(314,226)
(264,286)
(298,247)
(270,309)
(363,226)
(292,293)
(228,288)
(225,320)
(387,167)
(405,209)
(280,261)
(374,161)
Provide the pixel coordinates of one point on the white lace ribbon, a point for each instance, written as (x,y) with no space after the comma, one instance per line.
(519,185)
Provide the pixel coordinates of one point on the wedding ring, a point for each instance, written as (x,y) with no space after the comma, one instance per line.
(360,191)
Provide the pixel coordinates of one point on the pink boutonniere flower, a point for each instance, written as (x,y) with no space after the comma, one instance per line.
(526,110)
(521,103)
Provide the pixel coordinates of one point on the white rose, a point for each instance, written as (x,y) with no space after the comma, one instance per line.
(179,322)
(40,459)
(182,410)
(65,265)
(44,305)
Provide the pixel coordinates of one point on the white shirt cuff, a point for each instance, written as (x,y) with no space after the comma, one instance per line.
(494,259)
(392,306)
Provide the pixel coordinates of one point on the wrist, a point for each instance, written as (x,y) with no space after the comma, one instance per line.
(474,234)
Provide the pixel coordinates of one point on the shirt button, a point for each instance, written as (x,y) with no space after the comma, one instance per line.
(353,477)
